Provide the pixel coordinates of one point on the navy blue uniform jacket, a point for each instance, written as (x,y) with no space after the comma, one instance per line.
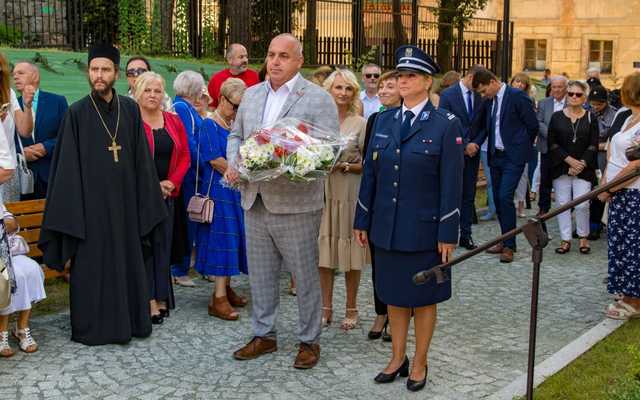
(49,114)
(411,189)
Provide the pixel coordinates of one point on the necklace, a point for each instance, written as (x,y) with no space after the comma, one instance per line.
(115,147)
(226,125)
(574,128)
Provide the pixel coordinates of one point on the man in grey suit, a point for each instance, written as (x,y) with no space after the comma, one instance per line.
(546,108)
(282,218)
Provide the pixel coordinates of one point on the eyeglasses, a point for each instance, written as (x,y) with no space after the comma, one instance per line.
(575,94)
(369,76)
(234,105)
(135,72)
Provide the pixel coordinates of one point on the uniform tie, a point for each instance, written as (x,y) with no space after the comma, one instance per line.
(405,129)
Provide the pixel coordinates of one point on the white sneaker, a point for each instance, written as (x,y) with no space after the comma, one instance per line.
(183,281)
(5,349)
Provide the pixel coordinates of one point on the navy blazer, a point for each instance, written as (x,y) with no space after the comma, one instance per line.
(518,126)
(411,189)
(452,100)
(49,114)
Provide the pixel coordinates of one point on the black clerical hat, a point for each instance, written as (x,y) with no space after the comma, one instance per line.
(598,93)
(593,81)
(412,58)
(104,50)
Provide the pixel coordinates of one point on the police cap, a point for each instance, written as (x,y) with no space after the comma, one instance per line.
(412,58)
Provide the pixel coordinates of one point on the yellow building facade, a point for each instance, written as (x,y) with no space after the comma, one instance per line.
(569,36)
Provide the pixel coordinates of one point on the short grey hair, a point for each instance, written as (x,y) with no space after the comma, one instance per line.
(189,84)
(231,49)
(370,65)
(560,78)
(581,85)
(298,44)
(593,69)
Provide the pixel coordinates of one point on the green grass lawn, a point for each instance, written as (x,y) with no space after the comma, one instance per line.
(609,371)
(71,81)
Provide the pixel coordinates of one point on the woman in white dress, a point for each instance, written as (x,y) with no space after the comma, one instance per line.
(13,117)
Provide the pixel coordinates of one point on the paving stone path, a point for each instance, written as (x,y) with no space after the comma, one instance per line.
(479,347)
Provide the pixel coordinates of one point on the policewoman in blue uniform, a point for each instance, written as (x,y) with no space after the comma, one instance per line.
(409,208)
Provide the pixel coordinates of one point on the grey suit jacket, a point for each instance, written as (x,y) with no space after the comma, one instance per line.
(545,111)
(307,102)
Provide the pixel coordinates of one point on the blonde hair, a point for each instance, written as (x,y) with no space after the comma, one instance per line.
(524,78)
(630,91)
(393,74)
(350,78)
(144,81)
(231,87)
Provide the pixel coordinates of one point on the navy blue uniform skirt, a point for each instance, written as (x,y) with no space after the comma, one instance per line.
(394,278)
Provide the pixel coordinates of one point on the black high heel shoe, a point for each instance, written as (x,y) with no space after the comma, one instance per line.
(157,319)
(386,336)
(373,335)
(403,371)
(415,386)
(164,313)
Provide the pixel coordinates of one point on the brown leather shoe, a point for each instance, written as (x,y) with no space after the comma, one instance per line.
(235,299)
(506,256)
(220,307)
(497,249)
(308,356)
(257,347)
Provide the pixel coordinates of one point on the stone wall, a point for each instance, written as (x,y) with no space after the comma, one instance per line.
(568,26)
(41,22)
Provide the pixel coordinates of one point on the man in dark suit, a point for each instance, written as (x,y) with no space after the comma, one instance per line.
(464,103)
(37,146)
(512,127)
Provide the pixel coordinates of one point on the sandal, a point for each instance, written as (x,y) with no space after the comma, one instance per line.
(350,323)
(585,249)
(565,247)
(622,311)
(326,321)
(5,349)
(219,307)
(235,299)
(27,343)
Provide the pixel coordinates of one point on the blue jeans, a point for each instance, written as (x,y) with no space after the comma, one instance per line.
(487,173)
(505,177)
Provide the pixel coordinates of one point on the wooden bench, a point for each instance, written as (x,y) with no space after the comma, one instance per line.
(29,215)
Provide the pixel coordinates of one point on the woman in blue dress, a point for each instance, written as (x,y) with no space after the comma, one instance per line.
(220,246)
(189,87)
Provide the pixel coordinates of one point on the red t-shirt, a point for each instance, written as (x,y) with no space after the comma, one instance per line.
(249,77)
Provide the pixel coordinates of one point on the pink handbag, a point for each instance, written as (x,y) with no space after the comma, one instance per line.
(200,209)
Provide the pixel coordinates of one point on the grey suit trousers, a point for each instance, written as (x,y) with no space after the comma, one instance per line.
(274,241)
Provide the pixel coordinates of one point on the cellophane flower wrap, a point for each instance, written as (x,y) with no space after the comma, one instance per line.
(289,147)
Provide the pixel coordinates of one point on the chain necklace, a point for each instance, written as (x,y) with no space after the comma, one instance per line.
(115,147)
(226,125)
(574,128)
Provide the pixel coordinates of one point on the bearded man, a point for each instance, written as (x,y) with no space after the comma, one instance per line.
(103,201)
(238,60)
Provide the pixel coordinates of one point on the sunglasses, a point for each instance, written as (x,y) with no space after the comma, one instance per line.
(369,76)
(234,105)
(575,94)
(135,72)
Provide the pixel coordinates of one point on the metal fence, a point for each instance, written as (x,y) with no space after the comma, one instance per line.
(334,32)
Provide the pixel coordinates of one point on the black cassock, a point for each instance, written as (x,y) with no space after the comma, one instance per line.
(98,215)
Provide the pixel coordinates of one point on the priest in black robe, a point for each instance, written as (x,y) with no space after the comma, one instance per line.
(103,201)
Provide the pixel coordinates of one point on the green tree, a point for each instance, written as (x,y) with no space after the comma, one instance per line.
(155,40)
(453,13)
(181,30)
(133,31)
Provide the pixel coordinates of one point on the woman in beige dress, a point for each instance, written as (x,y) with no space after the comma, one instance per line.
(338,248)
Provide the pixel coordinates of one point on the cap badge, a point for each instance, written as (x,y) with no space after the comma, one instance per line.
(408,52)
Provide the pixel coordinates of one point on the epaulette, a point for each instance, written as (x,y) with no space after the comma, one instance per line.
(444,114)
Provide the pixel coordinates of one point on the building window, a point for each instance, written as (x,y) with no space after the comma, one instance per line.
(535,54)
(601,55)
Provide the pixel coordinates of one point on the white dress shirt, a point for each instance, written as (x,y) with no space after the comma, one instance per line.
(370,104)
(497,102)
(415,110)
(276,100)
(465,95)
(558,105)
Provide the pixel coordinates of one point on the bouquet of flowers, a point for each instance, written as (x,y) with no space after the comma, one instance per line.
(290,147)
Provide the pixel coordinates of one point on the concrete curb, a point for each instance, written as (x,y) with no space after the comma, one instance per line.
(559,360)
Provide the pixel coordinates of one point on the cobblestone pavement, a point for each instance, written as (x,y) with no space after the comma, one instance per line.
(480,344)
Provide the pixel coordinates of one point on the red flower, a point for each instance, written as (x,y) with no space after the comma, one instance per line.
(263,137)
(303,128)
(279,152)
